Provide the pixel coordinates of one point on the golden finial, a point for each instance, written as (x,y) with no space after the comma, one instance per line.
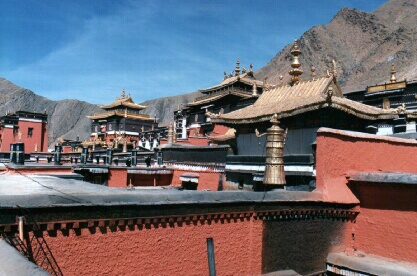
(393,77)
(296,71)
(123,94)
(237,70)
(281,77)
(250,67)
(274,119)
(329,93)
(313,72)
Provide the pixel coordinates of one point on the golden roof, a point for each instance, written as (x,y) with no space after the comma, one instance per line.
(218,95)
(125,101)
(104,115)
(246,78)
(289,100)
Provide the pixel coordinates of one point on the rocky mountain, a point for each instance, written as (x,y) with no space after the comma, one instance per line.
(364,46)
(66,118)
(163,108)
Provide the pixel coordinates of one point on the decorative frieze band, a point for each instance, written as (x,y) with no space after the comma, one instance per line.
(304,214)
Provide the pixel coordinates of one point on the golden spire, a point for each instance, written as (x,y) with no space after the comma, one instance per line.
(237,70)
(393,77)
(123,94)
(296,71)
(313,72)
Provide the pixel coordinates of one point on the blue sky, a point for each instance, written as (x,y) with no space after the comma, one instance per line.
(90,50)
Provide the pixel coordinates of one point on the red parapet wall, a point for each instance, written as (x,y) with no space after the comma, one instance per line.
(386,225)
(341,152)
(245,243)
(161,248)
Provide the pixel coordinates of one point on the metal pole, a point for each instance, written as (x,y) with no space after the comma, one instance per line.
(210,255)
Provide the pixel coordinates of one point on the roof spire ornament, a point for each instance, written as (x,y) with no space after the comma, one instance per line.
(296,71)
(313,72)
(237,70)
(250,67)
(393,77)
(281,77)
(225,75)
(123,94)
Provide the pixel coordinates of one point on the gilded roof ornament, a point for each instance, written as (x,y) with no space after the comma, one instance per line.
(313,72)
(281,77)
(329,94)
(334,68)
(250,67)
(237,70)
(296,71)
(393,77)
(123,94)
(225,75)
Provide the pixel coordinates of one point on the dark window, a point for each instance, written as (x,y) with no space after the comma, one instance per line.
(30,132)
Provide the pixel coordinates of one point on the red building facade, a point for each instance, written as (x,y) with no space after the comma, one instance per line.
(27,127)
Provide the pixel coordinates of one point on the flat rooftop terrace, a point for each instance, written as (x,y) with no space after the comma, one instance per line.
(32,190)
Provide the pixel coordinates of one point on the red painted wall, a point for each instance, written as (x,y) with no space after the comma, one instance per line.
(386,225)
(149,179)
(339,154)
(117,177)
(160,249)
(7,138)
(208,180)
(39,136)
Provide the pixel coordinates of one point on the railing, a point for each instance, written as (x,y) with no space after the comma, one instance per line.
(37,249)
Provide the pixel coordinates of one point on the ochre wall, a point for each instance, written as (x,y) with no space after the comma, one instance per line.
(160,249)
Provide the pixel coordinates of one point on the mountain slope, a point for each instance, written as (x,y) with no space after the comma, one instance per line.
(363,44)
(66,118)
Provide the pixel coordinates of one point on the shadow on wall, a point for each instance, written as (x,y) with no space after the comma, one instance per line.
(390,196)
(301,245)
